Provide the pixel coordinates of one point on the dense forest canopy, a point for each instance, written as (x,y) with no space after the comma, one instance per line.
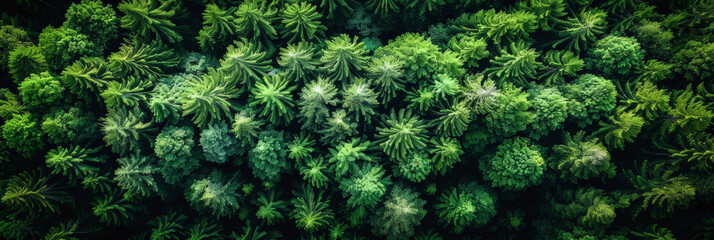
(356,119)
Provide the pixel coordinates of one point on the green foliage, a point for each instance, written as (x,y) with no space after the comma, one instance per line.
(22,133)
(196,63)
(174,148)
(558,65)
(41,90)
(465,206)
(11,38)
(301,22)
(87,77)
(164,99)
(382,7)
(215,193)
(270,208)
(135,175)
(204,229)
(337,128)
(245,127)
(423,7)
(274,98)
(445,86)
(478,95)
(269,156)
(315,98)
(113,210)
(551,110)
(698,150)
(167,227)
(419,56)
(62,46)
(415,167)
(402,211)
(345,155)
(208,98)
(655,233)
(655,71)
(311,212)
(401,134)
(94,19)
(360,100)
(516,65)
(547,12)
(661,192)
(253,21)
(344,58)
(245,62)
(31,192)
(366,186)
(447,152)
(387,72)
(674,193)
(469,49)
(453,121)
(151,19)
(578,32)
(655,40)
(73,162)
(143,60)
(62,232)
(314,172)
(9,104)
(591,207)
(23,61)
(622,127)
(218,27)
(217,144)
(582,158)
(616,56)
(592,98)
(301,147)
(515,166)
(499,26)
(124,129)
(692,61)
(511,114)
(690,115)
(126,94)
(648,101)
(298,61)
(421,99)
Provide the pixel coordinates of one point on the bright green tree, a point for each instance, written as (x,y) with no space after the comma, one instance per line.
(464,206)
(515,166)
(401,134)
(301,22)
(344,58)
(22,133)
(124,129)
(152,19)
(24,61)
(400,213)
(41,90)
(582,158)
(274,98)
(208,98)
(366,186)
(143,60)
